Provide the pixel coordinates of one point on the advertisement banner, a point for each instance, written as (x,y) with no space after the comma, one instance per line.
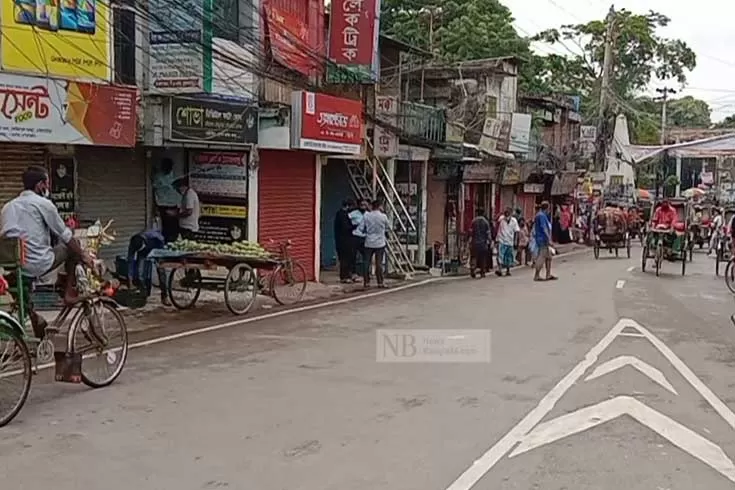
(212,121)
(220,223)
(325,123)
(186,57)
(220,174)
(42,110)
(386,139)
(353,41)
(65,39)
(63,172)
(289,40)
(176,51)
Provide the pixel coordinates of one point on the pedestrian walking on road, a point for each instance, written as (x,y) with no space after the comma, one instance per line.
(480,238)
(358,240)
(375,227)
(542,238)
(343,240)
(523,255)
(507,238)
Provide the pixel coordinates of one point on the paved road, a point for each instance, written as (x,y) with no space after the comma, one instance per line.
(573,398)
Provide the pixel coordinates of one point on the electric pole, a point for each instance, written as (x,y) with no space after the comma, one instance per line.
(602,123)
(664,100)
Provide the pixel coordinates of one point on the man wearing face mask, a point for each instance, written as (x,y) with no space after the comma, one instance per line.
(34,218)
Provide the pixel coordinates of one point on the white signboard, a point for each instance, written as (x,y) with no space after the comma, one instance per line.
(587,134)
(520,133)
(385,142)
(176,53)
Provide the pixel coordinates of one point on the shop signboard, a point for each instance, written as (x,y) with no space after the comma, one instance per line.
(212,121)
(186,57)
(353,41)
(220,174)
(68,39)
(288,35)
(327,124)
(44,110)
(533,188)
(385,143)
(587,134)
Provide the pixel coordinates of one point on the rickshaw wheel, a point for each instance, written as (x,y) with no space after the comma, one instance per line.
(597,248)
(659,258)
(683,264)
(644,258)
(616,252)
(627,246)
(718,258)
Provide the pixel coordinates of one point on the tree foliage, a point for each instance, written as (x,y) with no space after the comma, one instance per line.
(639,54)
(685,112)
(728,122)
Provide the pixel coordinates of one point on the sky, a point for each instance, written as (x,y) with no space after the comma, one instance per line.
(705,25)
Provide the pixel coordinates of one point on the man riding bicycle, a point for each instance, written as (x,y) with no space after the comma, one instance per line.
(33,217)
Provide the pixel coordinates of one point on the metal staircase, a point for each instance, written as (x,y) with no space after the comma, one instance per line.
(370,180)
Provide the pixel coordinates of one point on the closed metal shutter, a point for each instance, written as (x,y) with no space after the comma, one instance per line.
(287,202)
(14,159)
(112,185)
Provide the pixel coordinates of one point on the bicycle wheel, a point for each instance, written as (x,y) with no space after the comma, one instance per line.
(100,335)
(730,276)
(15,373)
(288,284)
(187,285)
(241,289)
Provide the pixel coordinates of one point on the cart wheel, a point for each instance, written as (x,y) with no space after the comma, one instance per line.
(644,258)
(288,283)
(683,264)
(241,289)
(597,249)
(730,276)
(184,287)
(659,258)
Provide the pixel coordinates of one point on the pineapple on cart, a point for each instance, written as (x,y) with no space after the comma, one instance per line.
(667,236)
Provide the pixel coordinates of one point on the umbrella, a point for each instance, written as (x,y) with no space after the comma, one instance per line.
(693,192)
(644,194)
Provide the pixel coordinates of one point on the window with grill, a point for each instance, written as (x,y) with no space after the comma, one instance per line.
(124,41)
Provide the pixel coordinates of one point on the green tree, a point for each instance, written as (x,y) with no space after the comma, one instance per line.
(728,122)
(639,54)
(462,30)
(644,115)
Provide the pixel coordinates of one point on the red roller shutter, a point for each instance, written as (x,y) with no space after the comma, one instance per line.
(287,202)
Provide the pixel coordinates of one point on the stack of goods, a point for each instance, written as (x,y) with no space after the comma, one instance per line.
(241,249)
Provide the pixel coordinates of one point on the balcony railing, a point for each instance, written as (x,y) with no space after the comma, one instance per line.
(423,122)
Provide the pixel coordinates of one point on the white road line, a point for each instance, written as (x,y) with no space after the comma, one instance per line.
(589,417)
(643,367)
(481,466)
(632,334)
(631,268)
(517,434)
(620,284)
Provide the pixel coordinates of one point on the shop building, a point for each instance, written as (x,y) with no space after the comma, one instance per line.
(212,142)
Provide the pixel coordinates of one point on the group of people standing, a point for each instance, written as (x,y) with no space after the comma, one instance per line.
(517,243)
(360,234)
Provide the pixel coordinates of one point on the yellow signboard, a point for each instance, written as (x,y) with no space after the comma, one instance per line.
(58,38)
(222,211)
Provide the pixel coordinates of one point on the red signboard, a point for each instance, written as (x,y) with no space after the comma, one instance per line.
(289,40)
(353,29)
(328,123)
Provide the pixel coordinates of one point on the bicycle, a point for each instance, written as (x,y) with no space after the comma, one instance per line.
(77,335)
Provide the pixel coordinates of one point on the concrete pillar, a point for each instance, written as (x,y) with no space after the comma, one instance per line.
(422,231)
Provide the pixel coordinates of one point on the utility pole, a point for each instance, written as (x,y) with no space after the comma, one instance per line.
(602,124)
(664,100)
